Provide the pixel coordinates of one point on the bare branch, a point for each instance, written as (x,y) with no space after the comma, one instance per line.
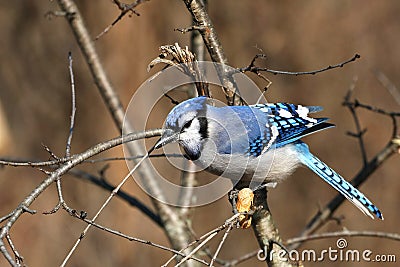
(357,103)
(231,221)
(51,14)
(256,70)
(265,230)
(106,202)
(252,68)
(30,163)
(125,9)
(359,132)
(73,108)
(130,238)
(18,258)
(61,201)
(48,150)
(7,255)
(192,29)
(207,30)
(2,219)
(203,21)
(196,249)
(52,163)
(133,201)
(221,244)
(176,229)
(86,44)
(75,160)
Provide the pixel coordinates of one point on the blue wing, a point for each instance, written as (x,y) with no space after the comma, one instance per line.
(291,121)
(336,181)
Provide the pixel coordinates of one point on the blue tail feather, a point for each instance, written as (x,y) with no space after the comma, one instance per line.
(337,181)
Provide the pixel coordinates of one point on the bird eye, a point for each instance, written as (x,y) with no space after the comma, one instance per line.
(187,124)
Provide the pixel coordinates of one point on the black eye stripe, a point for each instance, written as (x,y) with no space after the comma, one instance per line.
(203,127)
(187,124)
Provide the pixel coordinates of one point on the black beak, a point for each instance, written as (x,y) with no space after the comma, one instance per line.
(168,136)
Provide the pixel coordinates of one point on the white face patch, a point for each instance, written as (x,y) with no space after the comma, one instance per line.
(194,128)
(303,113)
(190,137)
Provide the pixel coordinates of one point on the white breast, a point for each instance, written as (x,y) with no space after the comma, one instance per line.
(271,166)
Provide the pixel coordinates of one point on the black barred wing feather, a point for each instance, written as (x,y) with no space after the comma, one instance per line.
(292,121)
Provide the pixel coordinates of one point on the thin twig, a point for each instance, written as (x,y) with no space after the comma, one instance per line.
(252,68)
(106,202)
(75,160)
(221,244)
(125,9)
(28,210)
(131,238)
(192,28)
(357,103)
(2,219)
(256,70)
(161,155)
(61,201)
(51,14)
(7,255)
(205,241)
(31,163)
(88,49)
(48,150)
(52,163)
(231,220)
(73,108)
(359,132)
(18,258)
(133,201)
(199,50)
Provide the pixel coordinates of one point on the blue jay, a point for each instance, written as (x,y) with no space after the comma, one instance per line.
(253,143)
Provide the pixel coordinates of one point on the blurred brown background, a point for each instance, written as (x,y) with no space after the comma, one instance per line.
(295,35)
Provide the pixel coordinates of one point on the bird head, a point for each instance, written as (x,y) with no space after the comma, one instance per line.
(187,124)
